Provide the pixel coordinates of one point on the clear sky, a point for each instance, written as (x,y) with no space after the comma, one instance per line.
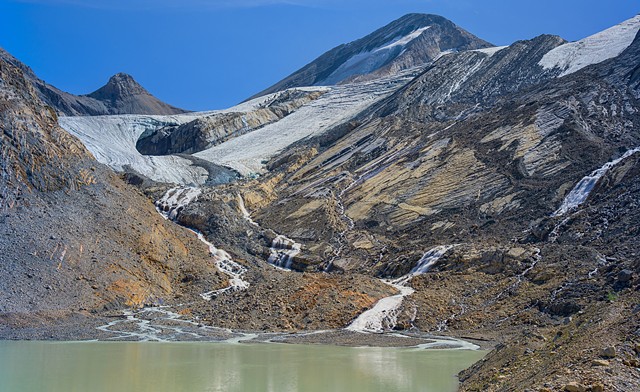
(211,54)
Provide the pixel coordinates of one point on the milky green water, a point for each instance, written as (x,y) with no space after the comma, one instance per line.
(194,367)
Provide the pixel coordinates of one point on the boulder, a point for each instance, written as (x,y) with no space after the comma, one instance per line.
(608,352)
(575,387)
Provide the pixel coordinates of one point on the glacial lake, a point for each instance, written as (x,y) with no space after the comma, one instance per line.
(28,366)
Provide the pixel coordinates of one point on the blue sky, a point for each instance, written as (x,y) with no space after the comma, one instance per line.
(210,54)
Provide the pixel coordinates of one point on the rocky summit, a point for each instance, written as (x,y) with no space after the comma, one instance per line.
(411,41)
(416,181)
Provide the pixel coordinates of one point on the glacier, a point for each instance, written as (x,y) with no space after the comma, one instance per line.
(607,44)
(112,139)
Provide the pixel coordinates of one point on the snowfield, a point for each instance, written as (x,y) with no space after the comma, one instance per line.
(607,44)
(247,153)
(112,139)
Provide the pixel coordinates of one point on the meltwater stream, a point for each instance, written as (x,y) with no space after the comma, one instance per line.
(383,316)
(283,250)
(170,205)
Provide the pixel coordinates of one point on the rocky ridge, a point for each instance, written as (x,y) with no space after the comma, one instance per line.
(121,95)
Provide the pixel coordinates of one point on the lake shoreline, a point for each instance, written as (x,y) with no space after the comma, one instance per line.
(83,326)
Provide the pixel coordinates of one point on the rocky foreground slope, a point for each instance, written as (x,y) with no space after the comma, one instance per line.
(497,189)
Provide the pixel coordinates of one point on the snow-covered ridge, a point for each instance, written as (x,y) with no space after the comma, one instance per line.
(609,43)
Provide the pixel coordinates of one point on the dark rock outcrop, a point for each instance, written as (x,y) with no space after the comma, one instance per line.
(211,130)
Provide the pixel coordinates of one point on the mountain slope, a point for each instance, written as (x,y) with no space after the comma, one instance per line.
(413,40)
(478,154)
(121,95)
(64,245)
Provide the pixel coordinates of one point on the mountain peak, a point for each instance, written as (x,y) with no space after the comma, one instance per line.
(122,94)
(413,40)
(119,86)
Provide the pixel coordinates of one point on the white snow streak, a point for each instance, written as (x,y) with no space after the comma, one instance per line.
(367,62)
(490,51)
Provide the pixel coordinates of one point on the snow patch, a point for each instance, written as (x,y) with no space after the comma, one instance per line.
(490,51)
(574,56)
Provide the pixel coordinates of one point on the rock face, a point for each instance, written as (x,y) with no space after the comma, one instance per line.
(480,151)
(413,40)
(65,245)
(121,95)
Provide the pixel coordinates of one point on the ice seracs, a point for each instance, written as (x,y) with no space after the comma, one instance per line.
(609,43)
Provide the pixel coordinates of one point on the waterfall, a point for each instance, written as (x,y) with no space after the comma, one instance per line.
(429,259)
(283,250)
(583,188)
(384,314)
(227,266)
(245,214)
(169,206)
(175,200)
